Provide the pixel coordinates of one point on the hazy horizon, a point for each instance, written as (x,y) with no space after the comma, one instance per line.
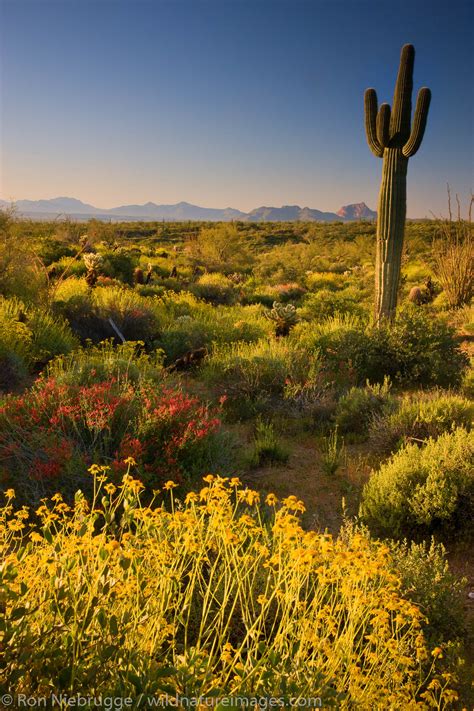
(226,104)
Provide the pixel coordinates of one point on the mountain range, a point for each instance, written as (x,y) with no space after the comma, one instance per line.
(184,211)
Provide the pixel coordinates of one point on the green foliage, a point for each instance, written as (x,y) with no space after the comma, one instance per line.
(119,265)
(426,579)
(425,349)
(423,489)
(356,410)
(22,273)
(29,338)
(333,452)
(223,248)
(188,324)
(266,446)
(106,361)
(216,289)
(89,311)
(419,417)
(251,375)
(416,349)
(453,255)
(326,304)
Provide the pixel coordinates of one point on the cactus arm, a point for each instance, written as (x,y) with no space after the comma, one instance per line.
(401,106)
(419,123)
(370,102)
(383,125)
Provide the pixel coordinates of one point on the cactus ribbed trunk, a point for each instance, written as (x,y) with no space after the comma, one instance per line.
(391,135)
(390,231)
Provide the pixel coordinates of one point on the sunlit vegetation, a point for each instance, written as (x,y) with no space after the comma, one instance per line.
(138,358)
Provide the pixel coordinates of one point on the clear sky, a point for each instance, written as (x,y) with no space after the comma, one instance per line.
(223,103)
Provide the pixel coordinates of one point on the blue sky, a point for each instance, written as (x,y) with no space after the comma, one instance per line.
(226,102)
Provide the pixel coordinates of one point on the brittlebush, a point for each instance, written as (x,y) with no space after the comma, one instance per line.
(219,595)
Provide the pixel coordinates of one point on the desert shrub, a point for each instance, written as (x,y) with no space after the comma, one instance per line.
(189,324)
(52,250)
(467,385)
(325,281)
(267,449)
(292,291)
(417,348)
(453,253)
(107,361)
(358,407)
(325,304)
(69,266)
(216,289)
(332,451)
(134,315)
(349,352)
(119,265)
(88,312)
(222,248)
(251,375)
(425,349)
(150,289)
(48,435)
(426,579)
(22,273)
(419,417)
(202,598)
(29,337)
(423,490)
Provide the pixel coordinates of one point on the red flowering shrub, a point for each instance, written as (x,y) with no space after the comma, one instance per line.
(49,435)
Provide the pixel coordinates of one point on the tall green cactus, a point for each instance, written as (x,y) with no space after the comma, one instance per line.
(391,136)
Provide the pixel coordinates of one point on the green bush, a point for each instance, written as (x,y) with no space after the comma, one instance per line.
(253,374)
(216,289)
(189,324)
(416,349)
(356,410)
(349,352)
(89,310)
(326,281)
(119,265)
(29,338)
(419,417)
(106,361)
(266,447)
(326,303)
(423,489)
(426,579)
(426,350)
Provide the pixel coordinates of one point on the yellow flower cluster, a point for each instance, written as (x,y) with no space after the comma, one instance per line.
(215,593)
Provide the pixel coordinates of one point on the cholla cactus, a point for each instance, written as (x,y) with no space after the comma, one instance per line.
(93,263)
(284,316)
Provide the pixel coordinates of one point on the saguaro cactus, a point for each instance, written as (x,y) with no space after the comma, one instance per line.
(391,136)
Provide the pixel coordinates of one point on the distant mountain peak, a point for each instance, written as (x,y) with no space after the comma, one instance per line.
(356,211)
(185,211)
